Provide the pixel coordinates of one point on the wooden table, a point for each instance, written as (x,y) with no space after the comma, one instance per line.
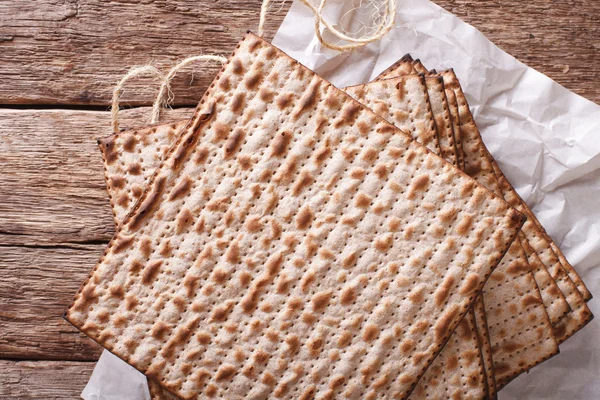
(59,60)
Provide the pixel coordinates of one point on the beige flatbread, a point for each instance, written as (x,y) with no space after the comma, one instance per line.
(510,298)
(551,294)
(434,86)
(443,119)
(131,159)
(485,344)
(499,297)
(446,113)
(444,107)
(458,369)
(520,332)
(405,66)
(457,372)
(408,108)
(544,239)
(419,67)
(453,108)
(448,125)
(579,315)
(556,305)
(585,292)
(402,67)
(246,299)
(539,241)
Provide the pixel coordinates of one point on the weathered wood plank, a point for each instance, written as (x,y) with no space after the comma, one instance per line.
(51,175)
(43,379)
(36,286)
(74,51)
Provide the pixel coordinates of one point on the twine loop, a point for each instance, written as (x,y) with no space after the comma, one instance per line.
(118,90)
(165,95)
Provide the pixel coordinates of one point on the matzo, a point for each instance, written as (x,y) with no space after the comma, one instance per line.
(459,361)
(519,325)
(585,292)
(310,338)
(527,340)
(536,238)
(401,67)
(453,108)
(405,67)
(131,159)
(580,314)
(485,344)
(458,369)
(419,67)
(443,120)
(554,301)
(449,376)
(408,108)
(479,166)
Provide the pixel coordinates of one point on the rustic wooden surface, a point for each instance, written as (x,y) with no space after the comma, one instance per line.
(43,380)
(58,62)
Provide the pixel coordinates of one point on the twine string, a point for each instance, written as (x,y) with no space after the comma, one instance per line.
(383,28)
(118,90)
(164,97)
(264,8)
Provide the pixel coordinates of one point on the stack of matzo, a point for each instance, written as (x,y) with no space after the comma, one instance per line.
(294,241)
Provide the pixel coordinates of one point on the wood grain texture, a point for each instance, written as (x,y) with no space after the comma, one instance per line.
(43,380)
(36,285)
(73,52)
(55,221)
(53,189)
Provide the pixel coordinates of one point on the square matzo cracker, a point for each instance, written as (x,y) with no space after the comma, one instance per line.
(402,101)
(250,258)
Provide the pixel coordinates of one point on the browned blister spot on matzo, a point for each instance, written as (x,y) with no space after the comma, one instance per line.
(182,189)
(221,132)
(304,217)
(123,243)
(304,180)
(281,143)
(134,169)
(234,142)
(150,271)
(253,80)
(470,285)
(309,99)
(348,115)
(442,293)
(238,102)
(259,308)
(117,182)
(129,142)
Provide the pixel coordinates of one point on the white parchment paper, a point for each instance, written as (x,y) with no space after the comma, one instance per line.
(114,379)
(545,138)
